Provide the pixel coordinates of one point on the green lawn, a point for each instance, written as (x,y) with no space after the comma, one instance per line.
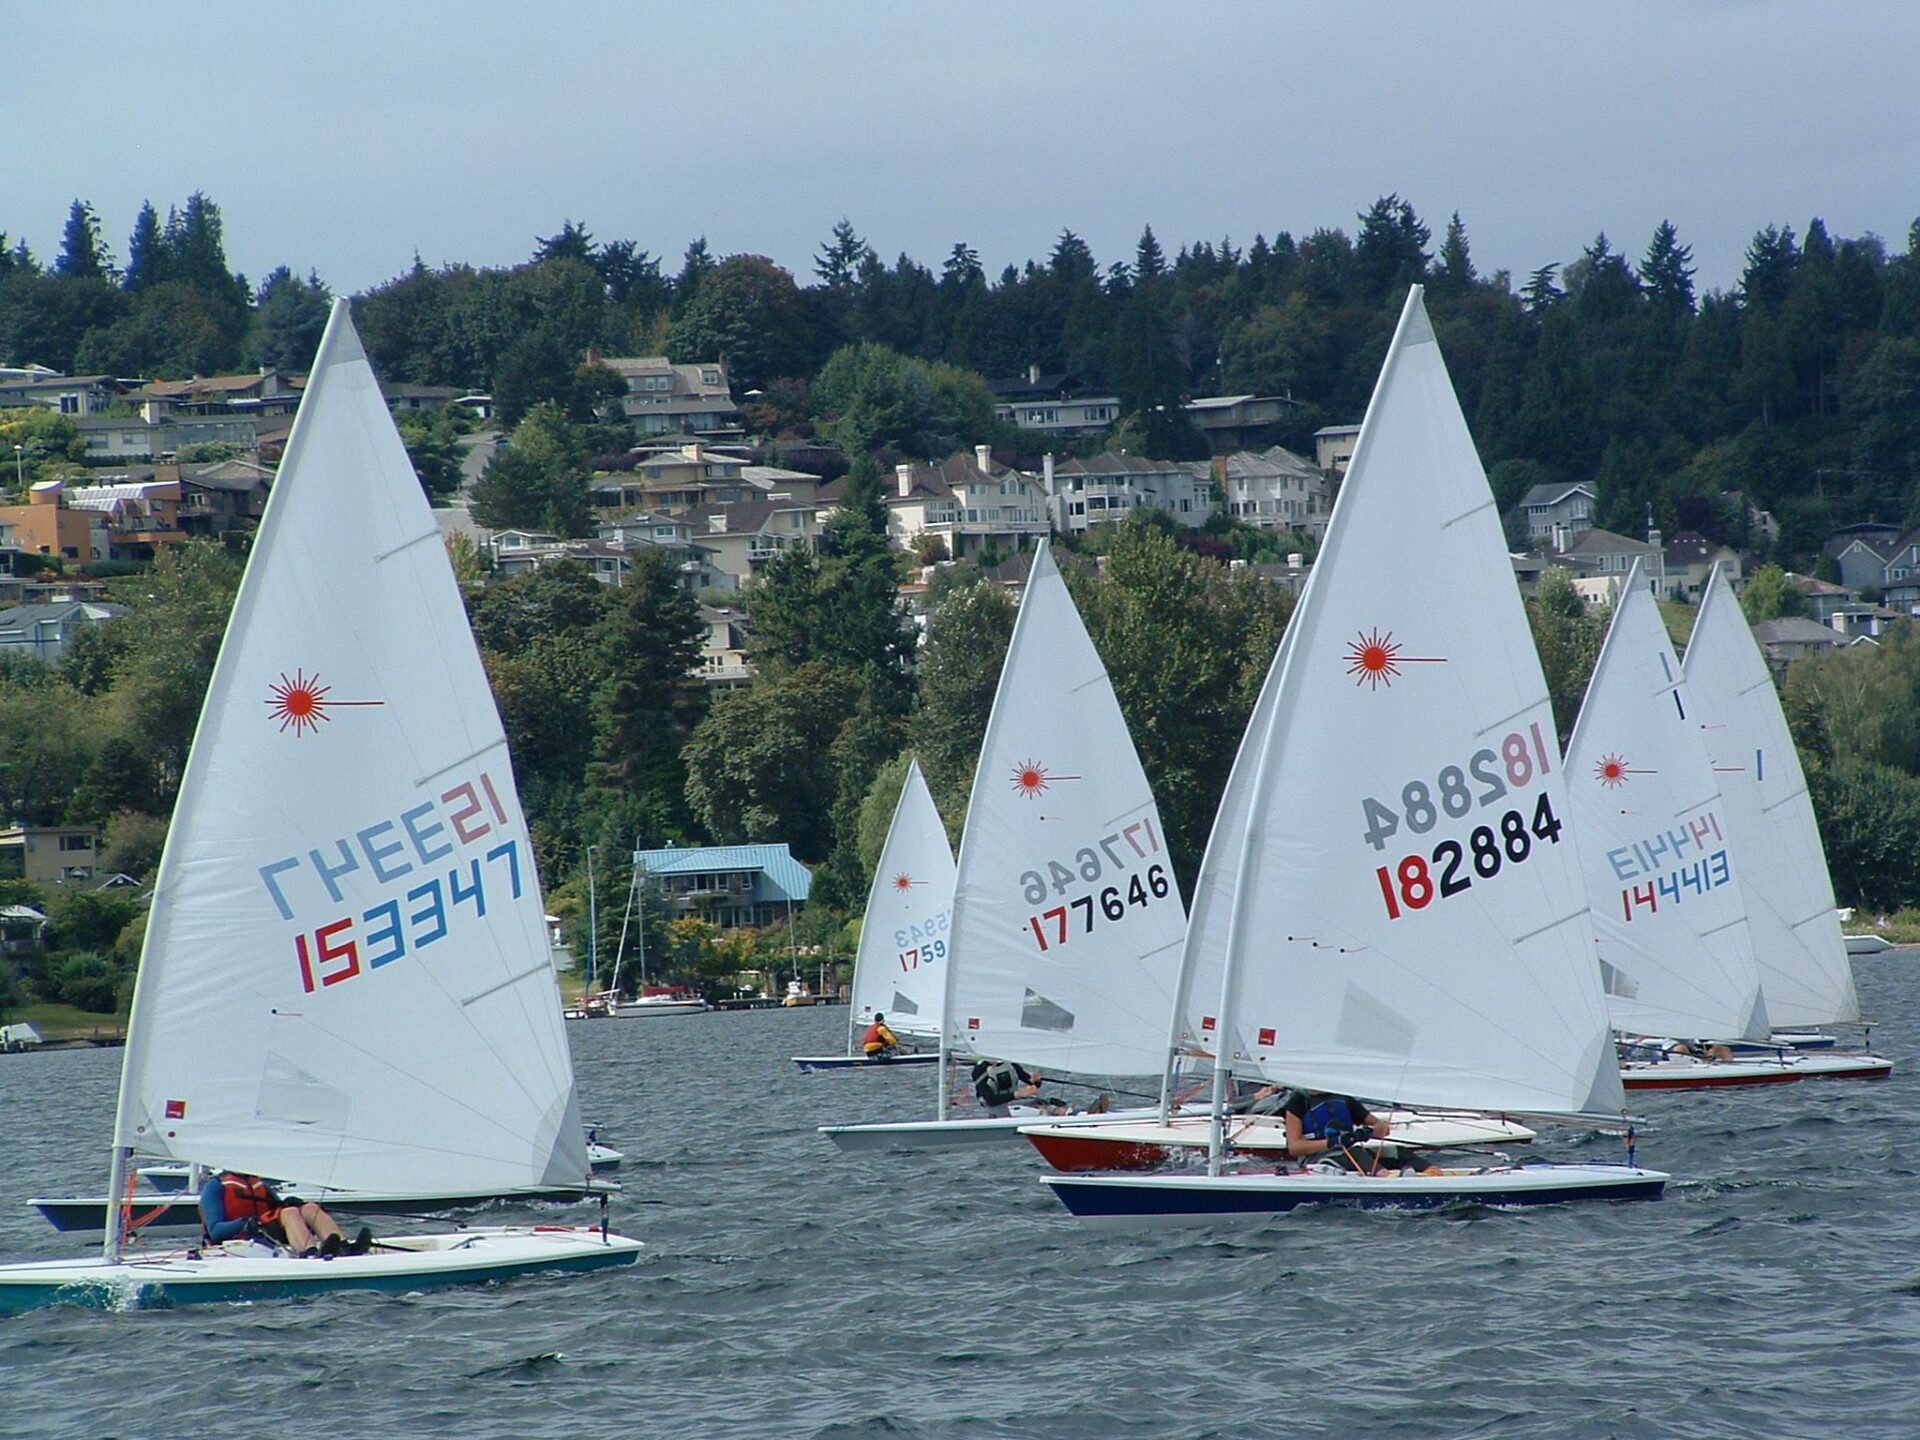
(64,1022)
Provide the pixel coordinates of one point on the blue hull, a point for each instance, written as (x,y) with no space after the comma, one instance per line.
(1094,1199)
(861,1062)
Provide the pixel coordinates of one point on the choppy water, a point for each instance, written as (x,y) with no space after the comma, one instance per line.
(792,1291)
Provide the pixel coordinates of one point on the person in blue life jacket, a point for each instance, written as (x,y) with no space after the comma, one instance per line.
(236,1206)
(1334,1128)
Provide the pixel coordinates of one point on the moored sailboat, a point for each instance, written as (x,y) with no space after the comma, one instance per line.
(1400,914)
(346,973)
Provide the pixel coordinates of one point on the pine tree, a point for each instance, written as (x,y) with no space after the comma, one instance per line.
(1667,270)
(83,254)
(839,262)
(1149,261)
(146,251)
(1455,273)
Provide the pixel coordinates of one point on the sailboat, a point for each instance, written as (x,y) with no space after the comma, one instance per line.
(900,968)
(1065,941)
(346,974)
(1781,865)
(1389,878)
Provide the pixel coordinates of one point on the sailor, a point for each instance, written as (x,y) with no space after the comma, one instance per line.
(235,1205)
(1332,1128)
(998,1083)
(879,1043)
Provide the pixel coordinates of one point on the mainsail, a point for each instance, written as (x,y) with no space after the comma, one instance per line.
(1804,971)
(1067,918)
(346,977)
(1676,957)
(1391,883)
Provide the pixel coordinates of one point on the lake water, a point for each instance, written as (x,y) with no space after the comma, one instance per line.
(789,1290)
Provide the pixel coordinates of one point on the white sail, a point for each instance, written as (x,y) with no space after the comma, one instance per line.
(1676,957)
(1804,971)
(346,977)
(1393,887)
(1067,920)
(905,940)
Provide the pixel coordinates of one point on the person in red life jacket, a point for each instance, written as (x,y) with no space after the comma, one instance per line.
(235,1206)
(879,1043)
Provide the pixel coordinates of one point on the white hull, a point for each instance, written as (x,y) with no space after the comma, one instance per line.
(246,1270)
(1867,944)
(944,1134)
(647,1009)
(177,1210)
(1139,1201)
(1104,1143)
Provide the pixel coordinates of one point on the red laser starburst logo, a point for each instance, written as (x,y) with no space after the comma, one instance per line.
(904,882)
(1613,771)
(1374,658)
(1032,779)
(300,704)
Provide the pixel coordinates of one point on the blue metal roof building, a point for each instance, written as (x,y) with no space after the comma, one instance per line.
(731,885)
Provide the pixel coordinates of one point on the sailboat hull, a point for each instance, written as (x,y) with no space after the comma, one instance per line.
(245,1271)
(179,1210)
(865,1062)
(1684,1073)
(945,1134)
(1108,1144)
(1130,1201)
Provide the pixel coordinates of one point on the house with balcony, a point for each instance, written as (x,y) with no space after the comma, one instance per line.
(44,629)
(687,477)
(1559,513)
(1107,487)
(140,517)
(1601,553)
(672,534)
(219,409)
(667,399)
(731,886)
(969,502)
(1824,598)
(49,854)
(1239,422)
(1052,404)
(723,650)
(740,539)
(1276,489)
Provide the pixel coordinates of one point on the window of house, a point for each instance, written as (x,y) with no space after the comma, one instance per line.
(709,377)
(76,842)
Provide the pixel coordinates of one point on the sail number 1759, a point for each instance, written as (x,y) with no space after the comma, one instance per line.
(1418,880)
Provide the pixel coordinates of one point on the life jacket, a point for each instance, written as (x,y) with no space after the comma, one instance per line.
(994,1081)
(878,1037)
(1331,1115)
(246,1195)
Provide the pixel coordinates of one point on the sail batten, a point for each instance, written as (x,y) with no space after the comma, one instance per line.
(334,983)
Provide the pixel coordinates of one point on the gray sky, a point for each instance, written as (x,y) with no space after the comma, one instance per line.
(344,136)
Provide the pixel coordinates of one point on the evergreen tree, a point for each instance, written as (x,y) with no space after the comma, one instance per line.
(1540,293)
(574,242)
(1772,257)
(146,250)
(1455,273)
(838,264)
(83,254)
(1391,251)
(1667,271)
(962,271)
(1149,261)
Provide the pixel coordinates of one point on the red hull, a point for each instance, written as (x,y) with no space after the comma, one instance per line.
(1720,1082)
(1085,1152)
